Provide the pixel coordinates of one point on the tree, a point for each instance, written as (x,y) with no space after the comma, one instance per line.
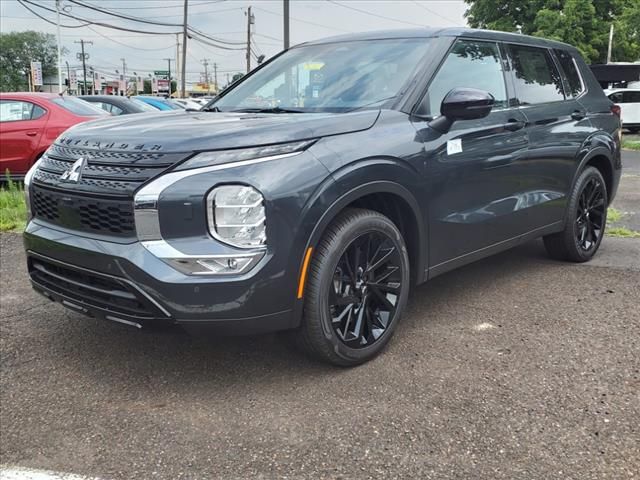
(18,50)
(582,23)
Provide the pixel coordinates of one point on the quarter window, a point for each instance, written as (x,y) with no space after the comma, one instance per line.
(469,64)
(568,64)
(537,79)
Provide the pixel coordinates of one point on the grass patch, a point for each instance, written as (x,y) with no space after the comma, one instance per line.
(614,215)
(622,232)
(13,210)
(631,144)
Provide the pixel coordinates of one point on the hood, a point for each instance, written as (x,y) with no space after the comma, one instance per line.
(194,131)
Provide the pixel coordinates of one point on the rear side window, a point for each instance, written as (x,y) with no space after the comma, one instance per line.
(536,77)
(18,110)
(469,64)
(568,65)
(631,97)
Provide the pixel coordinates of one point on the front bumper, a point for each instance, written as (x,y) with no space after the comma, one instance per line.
(124,282)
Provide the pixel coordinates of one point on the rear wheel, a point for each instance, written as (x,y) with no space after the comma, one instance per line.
(357,287)
(585,220)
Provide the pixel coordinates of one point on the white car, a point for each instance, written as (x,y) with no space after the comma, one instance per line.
(187,103)
(629,101)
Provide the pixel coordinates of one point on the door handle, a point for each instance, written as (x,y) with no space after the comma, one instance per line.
(578,114)
(514,125)
(32,134)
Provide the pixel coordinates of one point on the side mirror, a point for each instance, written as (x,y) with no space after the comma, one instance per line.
(462,104)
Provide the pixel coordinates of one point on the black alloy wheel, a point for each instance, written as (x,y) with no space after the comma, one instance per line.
(585,219)
(356,289)
(366,288)
(590,215)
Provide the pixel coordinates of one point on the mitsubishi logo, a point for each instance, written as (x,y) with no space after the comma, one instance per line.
(74,174)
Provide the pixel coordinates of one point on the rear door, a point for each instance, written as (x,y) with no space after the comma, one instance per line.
(631,108)
(556,127)
(21,127)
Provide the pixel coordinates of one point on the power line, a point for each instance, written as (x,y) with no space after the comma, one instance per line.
(434,12)
(375,14)
(302,21)
(47,20)
(120,15)
(129,46)
(179,5)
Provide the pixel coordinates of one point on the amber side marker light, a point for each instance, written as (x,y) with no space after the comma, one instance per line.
(303,274)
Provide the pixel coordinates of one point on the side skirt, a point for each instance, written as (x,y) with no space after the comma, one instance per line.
(492,249)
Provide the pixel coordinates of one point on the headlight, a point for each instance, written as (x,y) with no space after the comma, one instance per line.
(236,216)
(27,182)
(220,157)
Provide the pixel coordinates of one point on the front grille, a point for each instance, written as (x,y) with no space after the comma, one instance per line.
(90,289)
(97,215)
(102,200)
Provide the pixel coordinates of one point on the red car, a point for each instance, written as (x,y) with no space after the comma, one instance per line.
(30,122)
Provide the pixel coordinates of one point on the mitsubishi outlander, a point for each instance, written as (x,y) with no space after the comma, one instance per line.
(312,194)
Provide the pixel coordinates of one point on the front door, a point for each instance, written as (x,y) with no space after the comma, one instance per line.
(21,126)
(470,174)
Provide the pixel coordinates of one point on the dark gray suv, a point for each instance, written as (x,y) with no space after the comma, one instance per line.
(310,195)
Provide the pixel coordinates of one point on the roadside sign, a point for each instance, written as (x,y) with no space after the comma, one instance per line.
(161,73)
(154,84)
(73,80)
(97,81)
(36,73)
(139,84)
(122,83)
(163,85)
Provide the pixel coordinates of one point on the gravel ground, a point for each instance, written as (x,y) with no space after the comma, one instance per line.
(513,367)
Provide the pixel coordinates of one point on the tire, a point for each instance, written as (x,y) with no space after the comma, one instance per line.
(585,220)
(329,329)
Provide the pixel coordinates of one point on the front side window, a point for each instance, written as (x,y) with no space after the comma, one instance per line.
(536,78)
(331,77)
(568,64)
(469,64)
(15,110)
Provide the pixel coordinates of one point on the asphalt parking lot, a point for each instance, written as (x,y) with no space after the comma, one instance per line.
(513,367)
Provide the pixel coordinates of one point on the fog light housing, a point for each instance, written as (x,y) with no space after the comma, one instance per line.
(216,265)
(236,216)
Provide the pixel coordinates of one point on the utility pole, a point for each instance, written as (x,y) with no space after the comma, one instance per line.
(59,47)
(177,64)
(84,57)
(124,77)
(286,24)
(610,44)
(184,51)
(206,73)
(68,76)
(215,76)
(250,20)
(169,73)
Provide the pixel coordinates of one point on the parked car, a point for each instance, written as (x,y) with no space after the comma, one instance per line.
(30,122)
(187,103)
(117,105)
(159,103)
(399,156)
(628,99)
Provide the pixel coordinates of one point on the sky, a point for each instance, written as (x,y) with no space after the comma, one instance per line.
(223,19)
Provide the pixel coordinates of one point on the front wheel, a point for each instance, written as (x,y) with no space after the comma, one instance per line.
(585,220)
(357,287)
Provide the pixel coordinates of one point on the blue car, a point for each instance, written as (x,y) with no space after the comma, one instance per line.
(159,102)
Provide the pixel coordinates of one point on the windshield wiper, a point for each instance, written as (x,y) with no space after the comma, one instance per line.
(267,110)
(212,108)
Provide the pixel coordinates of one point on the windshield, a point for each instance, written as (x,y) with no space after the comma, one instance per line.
(79,107)
(332,77)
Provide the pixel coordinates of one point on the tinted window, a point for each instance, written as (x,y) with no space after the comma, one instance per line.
(536,78)
(631,97)
(116,110)
(616,97)
(18,110)
(571,72)
(78,107)
(469,64)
